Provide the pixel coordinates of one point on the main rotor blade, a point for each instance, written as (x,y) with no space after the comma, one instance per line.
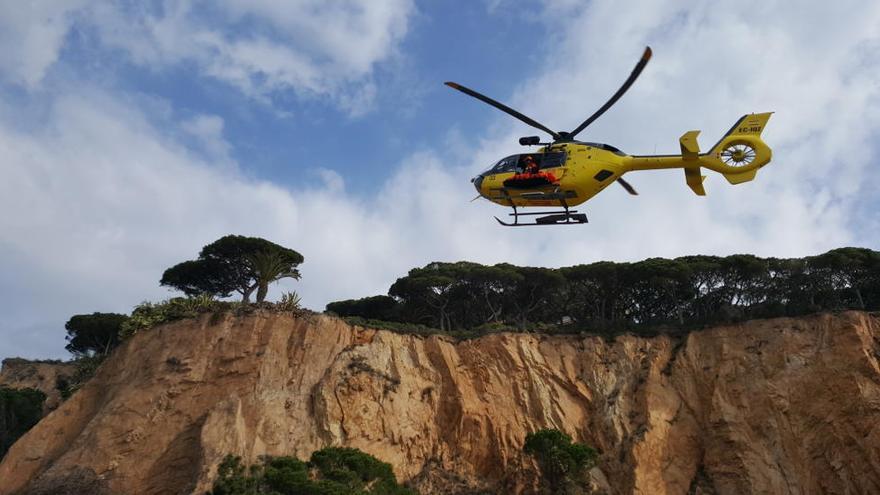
(504,108)
(626,185)
(626,84)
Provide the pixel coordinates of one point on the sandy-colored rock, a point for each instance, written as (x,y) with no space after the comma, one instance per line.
(788,406)
(40,375)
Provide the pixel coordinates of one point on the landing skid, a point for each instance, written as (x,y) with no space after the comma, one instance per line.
(564,217)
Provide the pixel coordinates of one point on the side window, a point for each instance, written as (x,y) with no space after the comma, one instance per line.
(550,160)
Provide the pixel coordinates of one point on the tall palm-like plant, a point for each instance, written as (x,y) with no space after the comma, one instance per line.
(271,266)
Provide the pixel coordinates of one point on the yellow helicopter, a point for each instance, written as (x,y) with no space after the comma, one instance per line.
(565,172)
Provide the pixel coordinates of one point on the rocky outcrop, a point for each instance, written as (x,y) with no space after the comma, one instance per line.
(40,375)
(785,406)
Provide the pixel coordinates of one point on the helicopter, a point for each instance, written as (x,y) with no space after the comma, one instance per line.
(565,172)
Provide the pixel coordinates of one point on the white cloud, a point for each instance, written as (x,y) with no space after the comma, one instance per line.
(208,130)
(31,35)
(312,48)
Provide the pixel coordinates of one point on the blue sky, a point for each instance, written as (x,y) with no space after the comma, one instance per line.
(410,109)
(133,133)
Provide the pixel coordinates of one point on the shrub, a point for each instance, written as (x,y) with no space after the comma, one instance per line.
(290,301)
(20,410)
(562,463)
(331,471)
(86,367)
(147,314)
(374,307)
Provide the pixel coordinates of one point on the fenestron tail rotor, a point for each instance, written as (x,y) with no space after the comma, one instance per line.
(738,155)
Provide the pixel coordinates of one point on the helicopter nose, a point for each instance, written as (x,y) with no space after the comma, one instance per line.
(478,182)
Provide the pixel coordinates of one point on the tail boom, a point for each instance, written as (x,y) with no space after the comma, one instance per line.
(737,155)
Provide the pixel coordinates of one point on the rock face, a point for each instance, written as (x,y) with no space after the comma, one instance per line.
(40,375)
(785,406)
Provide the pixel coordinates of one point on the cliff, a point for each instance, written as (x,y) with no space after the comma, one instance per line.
(786,406)
(40,375)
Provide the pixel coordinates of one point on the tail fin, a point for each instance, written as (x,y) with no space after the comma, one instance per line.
(748,125)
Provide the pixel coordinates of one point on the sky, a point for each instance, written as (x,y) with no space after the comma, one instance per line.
(132,133)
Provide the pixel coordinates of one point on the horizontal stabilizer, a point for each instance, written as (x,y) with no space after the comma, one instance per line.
(695,180)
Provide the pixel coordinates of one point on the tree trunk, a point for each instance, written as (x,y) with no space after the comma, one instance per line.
(246,295)
(262,291)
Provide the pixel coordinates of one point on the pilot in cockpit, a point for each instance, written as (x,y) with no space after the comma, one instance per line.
(530,166)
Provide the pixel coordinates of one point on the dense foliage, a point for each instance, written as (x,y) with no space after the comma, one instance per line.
(330,471)
(234,263)
(563,463)
(605,296)
(93,335)
(20,409)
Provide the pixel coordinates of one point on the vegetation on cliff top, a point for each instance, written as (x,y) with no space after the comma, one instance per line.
(652,295)
(234,263)
(468,300)
(230,264)
(93,335)
(330,471)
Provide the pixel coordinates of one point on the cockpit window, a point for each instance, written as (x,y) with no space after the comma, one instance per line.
(516,163)
(505,165)
(549,160)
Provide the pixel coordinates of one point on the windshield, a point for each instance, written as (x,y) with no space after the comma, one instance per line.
(508,164)
(515,163)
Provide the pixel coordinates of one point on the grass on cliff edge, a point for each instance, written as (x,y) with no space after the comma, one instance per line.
(147,314)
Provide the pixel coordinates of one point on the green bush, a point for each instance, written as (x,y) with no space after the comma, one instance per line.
(20,410)
(330,471)
(563,464)
(290,301)
(147,314)
(86,367)
(374,307)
